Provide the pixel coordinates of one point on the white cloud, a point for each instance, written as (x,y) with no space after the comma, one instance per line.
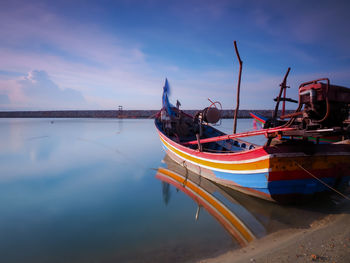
(38,91)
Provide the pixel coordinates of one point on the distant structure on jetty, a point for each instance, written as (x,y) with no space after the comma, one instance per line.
(120,113)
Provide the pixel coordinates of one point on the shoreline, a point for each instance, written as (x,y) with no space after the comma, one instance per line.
(120,114)
(326,240)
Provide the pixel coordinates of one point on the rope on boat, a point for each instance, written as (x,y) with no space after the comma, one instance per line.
(341,194)
(186,175)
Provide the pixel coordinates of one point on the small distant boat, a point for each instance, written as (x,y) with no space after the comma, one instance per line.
(259,118)
(285,168)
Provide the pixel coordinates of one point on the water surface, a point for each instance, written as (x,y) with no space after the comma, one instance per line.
(84,190)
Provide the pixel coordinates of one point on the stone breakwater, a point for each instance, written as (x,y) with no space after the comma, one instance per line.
(125,114)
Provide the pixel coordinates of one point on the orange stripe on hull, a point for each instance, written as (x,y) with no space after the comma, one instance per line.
(246,234)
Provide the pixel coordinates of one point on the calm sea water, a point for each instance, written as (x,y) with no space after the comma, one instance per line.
(84,190)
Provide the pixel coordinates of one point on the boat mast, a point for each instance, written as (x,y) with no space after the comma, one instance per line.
(238,87)
(283,86)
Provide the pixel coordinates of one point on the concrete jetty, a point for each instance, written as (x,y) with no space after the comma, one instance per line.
(127,114)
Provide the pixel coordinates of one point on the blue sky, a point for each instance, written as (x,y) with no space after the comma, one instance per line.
(101,54)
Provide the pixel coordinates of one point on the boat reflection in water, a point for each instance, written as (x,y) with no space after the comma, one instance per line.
(245,217)
(235,218)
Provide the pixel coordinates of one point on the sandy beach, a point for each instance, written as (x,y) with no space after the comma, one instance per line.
(325,240)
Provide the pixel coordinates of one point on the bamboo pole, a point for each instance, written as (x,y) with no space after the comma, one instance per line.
(238,87)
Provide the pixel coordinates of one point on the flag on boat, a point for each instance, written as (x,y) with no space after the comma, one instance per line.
(166,104)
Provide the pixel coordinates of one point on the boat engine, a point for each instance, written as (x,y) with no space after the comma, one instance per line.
(325,105)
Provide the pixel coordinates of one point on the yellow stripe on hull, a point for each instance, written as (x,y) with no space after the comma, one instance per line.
(253,167)
(272,163)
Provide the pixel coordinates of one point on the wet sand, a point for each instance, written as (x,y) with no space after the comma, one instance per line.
(326,239)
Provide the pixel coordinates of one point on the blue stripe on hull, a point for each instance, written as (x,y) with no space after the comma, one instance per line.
(282,187)
(253,180)
(301,186)
(345,181)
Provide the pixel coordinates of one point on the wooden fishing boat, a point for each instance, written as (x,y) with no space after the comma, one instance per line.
(285,168)
(281,170)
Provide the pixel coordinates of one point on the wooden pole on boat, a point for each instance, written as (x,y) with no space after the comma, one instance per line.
(238,87)
(284,102)
(283,87)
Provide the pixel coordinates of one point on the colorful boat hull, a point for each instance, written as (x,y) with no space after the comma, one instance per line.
(278,173)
